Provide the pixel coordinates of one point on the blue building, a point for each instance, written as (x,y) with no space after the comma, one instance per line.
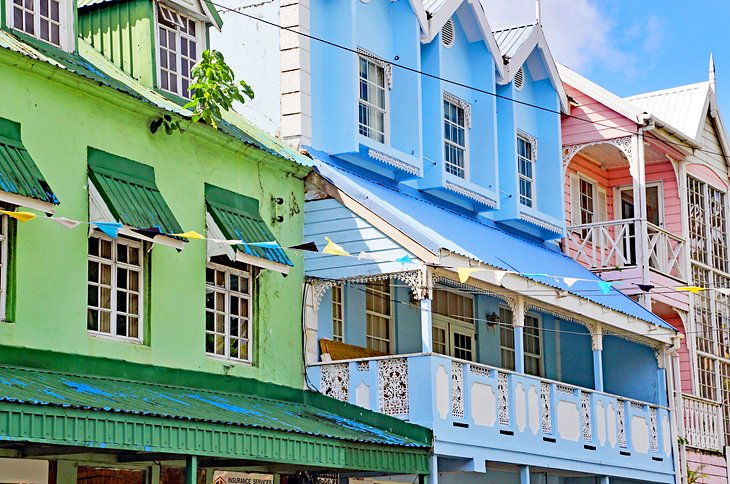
(438,153)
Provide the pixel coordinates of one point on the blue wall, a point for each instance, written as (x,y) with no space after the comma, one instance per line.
(623,358)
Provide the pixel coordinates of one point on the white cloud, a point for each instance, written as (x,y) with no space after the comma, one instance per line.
(581,34)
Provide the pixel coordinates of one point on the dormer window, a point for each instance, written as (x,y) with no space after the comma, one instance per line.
(456,114)
(46,20)
(180,44)
(526,148)
(373,114)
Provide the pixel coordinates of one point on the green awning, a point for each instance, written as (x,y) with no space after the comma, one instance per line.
(294,427)
(19,175)
(238,217)
(130,193)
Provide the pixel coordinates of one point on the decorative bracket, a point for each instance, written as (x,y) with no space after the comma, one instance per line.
(624,144)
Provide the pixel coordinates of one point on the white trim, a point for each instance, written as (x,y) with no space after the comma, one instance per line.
(66,24)
(533,153)
(21,201)
(250,296)
(390,316)
(4,267)
(466,107)
(262,263)
(387,86)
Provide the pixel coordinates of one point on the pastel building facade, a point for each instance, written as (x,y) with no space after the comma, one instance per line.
(646,185)
(456,309)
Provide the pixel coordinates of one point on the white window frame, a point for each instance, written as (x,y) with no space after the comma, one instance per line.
(66,20)
(389,317)
(533,161)
(199,38)
(538,357)
(507,326)
(228,270)
(387,86)
(452,327)
(339,288)
(135,244)
(466,108)
(4,245)
(511,348)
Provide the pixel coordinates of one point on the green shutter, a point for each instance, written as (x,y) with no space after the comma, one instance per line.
(130,192)
(238,217)
(18,172)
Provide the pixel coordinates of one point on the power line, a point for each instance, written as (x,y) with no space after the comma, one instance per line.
(459,84)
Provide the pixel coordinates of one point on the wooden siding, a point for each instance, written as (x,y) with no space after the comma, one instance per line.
(714,466)
(576,131)
(685,367)
(122,32)
(329,218)
(710,156)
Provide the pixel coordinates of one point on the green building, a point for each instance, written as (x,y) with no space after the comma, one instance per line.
(131,350)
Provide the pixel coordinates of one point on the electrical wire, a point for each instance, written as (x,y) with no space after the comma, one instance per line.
(461,84)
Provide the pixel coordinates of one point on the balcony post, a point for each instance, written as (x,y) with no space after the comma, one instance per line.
(518,322)
(638,173)
(426,322)
(433,477)
(597,347)
(191,469)
(603,480)
(524,474)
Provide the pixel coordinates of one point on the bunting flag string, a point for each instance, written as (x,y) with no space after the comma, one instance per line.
(112,229)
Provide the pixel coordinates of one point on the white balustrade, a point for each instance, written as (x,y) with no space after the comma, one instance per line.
(703,424)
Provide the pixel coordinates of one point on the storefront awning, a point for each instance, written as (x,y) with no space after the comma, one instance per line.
(298,427)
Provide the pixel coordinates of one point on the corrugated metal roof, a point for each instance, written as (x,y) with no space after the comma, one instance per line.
(510,40)
(20,175)
(89,3)
(683,107)
(432,6)
(436,228)
(213,16)
(91,64)
(238,217)
(103,394)
(130,192)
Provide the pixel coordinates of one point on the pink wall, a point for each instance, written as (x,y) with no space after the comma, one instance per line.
(715,469)
(685,369)
(576,131)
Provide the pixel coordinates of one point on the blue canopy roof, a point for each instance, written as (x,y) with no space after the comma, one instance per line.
(435,227)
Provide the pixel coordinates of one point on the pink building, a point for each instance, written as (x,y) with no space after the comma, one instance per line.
(646,183)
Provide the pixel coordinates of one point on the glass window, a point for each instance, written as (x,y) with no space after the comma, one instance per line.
(531,340)
(228,312)
(378,312)
(178,50)
(115,287)
(453,305)
(38,18)
(453,324)
(507,338)
(587,201)
(454,139)
(526,171)
(338,314)
(372,103)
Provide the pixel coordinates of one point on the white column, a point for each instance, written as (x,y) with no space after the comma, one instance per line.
(433,477)
(524,474)
(638,173)
(597,347)
(426,322)
(518,323)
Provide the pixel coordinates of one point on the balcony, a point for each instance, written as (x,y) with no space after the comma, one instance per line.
(613,245)
(497,412)
(703,423)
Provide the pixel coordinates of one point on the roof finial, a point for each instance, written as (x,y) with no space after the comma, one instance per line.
(712,70)
(538,13)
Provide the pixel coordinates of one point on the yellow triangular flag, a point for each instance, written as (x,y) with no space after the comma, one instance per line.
(465,272)
(191,234)
(334,249)
(22,216)
(692,289)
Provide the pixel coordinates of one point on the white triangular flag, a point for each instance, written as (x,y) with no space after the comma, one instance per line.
(569,281)
(66,222)
(499,275)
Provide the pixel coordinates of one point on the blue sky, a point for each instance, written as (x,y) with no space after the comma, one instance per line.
(632,46)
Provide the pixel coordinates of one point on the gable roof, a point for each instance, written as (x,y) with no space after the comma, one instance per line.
(206,6)
(436,228)
(517,43)
(433,14)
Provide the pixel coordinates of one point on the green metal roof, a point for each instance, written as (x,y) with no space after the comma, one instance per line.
(214,16)
(238,217)
(18,172)
(92,411)
(130,192)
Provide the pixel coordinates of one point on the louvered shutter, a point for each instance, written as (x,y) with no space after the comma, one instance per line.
(602,205)
(575,200)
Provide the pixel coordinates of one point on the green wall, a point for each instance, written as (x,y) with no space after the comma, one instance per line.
(59,120)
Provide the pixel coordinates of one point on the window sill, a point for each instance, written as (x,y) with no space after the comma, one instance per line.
(120,339)
(230,361)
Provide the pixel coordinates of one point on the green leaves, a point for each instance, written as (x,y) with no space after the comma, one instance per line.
(214,88)
(166,122)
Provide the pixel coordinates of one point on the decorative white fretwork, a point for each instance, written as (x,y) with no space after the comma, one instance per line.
(414,280)
(335,381)
(637,405)
(393,386)
(456,188)
(562,315)
(448,97)
(654,432)
(532,140)
(363,366)
(540,223)
(394,162)
(387,66)
(479,370)
(624,144)
(547,424)
(448,281)
(327,478)
(621,423)
(503,395)
(564,389)
(457,389)
(585,404)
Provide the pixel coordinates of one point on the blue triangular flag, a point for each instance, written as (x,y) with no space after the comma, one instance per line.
(605,286)
(406,259)
(109,228)
(266,245)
